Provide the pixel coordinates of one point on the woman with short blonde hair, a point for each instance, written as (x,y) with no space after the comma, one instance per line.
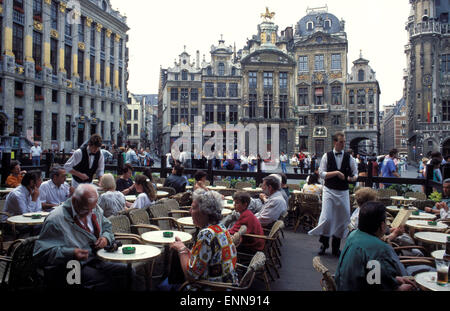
(112,202)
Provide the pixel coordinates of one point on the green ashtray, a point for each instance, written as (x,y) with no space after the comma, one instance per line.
(36,216)
(168,234)
(128,250)
(2,188)
(416,213)
(432,223)
(230,201)
(253,187)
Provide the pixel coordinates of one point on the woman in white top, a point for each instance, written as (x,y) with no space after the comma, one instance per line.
(147,192)
(112,202)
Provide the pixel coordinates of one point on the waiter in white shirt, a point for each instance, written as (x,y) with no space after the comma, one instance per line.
(86,162)
(55,191)
(337,168)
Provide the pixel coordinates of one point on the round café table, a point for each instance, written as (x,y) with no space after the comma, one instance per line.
(157,237)
(21,220)
(422,216)
(402,200)
(228,205)
(186,221)
(216,188)
(158,186)
(229,198)
(162,194)
(130,198)
(428,282)
(5,191)
(421,225)
(143,253)
(436,239)
(189,187)
(296,192)
(250,189)
(394,209)
(438,254)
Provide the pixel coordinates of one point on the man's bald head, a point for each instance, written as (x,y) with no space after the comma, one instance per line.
(84,199)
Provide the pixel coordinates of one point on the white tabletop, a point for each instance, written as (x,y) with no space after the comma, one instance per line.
(22,220)
(143,253)
(423,224)
(7,190)
(296,192)
(216,187)
(432,237)
(159,185)
(228,205)
(43,214)
(161,194)
(186,221)
(226,212)
(158,238)
(428,281)
(422,216)
(189,187)
(229,198)
(398,198)
(395,209)
(438,254)
(130,198)
(253,190)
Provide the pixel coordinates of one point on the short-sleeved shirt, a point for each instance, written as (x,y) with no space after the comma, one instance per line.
(214,256)
(142,201)
(13,181)
(123,184)
(388,168)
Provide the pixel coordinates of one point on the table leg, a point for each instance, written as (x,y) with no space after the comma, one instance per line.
(129,273)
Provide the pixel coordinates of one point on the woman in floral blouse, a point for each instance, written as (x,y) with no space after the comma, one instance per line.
(213,257)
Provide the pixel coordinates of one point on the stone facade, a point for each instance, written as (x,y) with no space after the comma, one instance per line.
(428,78)
(63,72)
(394,128)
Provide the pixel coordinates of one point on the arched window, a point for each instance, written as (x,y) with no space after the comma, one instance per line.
(361,75)
(221,69)
(309,26)
(327,24)
(184,75)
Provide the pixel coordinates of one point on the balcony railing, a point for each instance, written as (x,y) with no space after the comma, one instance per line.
(18,17)
(319,108)
(429,27)
(433,127)
(54,79)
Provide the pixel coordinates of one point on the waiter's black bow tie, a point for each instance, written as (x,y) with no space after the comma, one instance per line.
(338,153)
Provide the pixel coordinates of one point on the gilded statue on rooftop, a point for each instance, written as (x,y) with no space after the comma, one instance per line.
(268,14)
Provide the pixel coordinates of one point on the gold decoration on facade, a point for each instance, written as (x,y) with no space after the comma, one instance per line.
(49,2)
(1,9)
(274,38)
(319,77)
(108,33)
(337,75)
(268,15)
(81,46)
(38,25)
(69,84)
(20,70)
(62,7)
(89,21)
(303,77)
(117,38)
(263,38)
(99,27)
(54,33)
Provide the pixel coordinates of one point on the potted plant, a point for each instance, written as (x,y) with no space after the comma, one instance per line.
(435,197)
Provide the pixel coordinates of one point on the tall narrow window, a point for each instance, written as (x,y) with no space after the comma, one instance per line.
(194,95)
(68,60)
(318,96)
(102,73)
(209,89)
(221,69)
(336,95)
(303,64)
(93,30)
(283,80)
(351,96)
(351,118)
(184,95)
(303,96)
(371,97)
(268,103)
(174,94)
(81,65)
(37,10)
(68,128)
(54,126)
(252,80)
(361,75)
(221,89)
(111,45)
(445,111)
(268,80)
(233,109)
(361,118)
(283,107)
(81,29)
(18,42)
(209,113)
(252,102)
(37,48)
(194,113)
(184,115)
(221,114)
(38,125)
(336,62)
(371,118)
(67,25)
(233,90)
(121,49)
(120,79)
(184,75)
(361,97)
(54,15)
(92,69)
(103,39)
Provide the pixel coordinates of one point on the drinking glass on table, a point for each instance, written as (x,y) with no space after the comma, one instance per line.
(442,271)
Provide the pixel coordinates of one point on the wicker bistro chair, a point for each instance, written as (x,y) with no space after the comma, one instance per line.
(237,237)
(256,265)
(19,271)
(140,221)
(122,229)
(294,187)
(421,204)
(418,195)
(163,216)
(327,282)
(242,184)
(223,183)
(169,190)
(309,213)
(386,193)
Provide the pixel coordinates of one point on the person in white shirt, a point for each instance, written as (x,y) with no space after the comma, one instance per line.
(36,152)
(131,156)
(25,198)
(284,161)
(244,162)
(274,203)
(147,192)
(86,162)
(55,191)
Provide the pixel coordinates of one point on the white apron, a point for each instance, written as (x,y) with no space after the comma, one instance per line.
(335,215)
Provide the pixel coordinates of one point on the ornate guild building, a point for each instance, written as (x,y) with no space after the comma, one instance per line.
(428,78)
(63,71)
(295,79)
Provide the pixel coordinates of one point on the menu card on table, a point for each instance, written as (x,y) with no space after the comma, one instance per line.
(401,218)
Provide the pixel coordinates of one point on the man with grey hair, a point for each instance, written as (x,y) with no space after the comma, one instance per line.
(76,230)
(441,208)
(274,203)
(55,191)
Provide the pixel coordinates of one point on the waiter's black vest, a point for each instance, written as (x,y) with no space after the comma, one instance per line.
(83,166)
(336,183)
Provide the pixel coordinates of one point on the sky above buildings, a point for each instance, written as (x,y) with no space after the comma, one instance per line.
(159,30)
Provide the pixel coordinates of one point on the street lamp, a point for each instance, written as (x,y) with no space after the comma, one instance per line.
(74,125)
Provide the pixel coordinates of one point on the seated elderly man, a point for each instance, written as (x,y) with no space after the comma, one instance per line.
(16,176)
(365,245)
(75,231)
(441,208)
(274,202)
(25,198)
(56,190)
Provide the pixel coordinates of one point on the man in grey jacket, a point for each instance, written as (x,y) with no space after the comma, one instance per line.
(76,230)
(274,203)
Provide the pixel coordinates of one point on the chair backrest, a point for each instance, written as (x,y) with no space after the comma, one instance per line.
(169,190)
(160,210)
(237,236)
(2,205)
(242,184)
(307,198)
(172,204)
(22,269)
(256,264)
(386,193)
(418,195)
(277,226)
(120,224)
(223,183)
(327,282)
(139,216)
(294,187)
